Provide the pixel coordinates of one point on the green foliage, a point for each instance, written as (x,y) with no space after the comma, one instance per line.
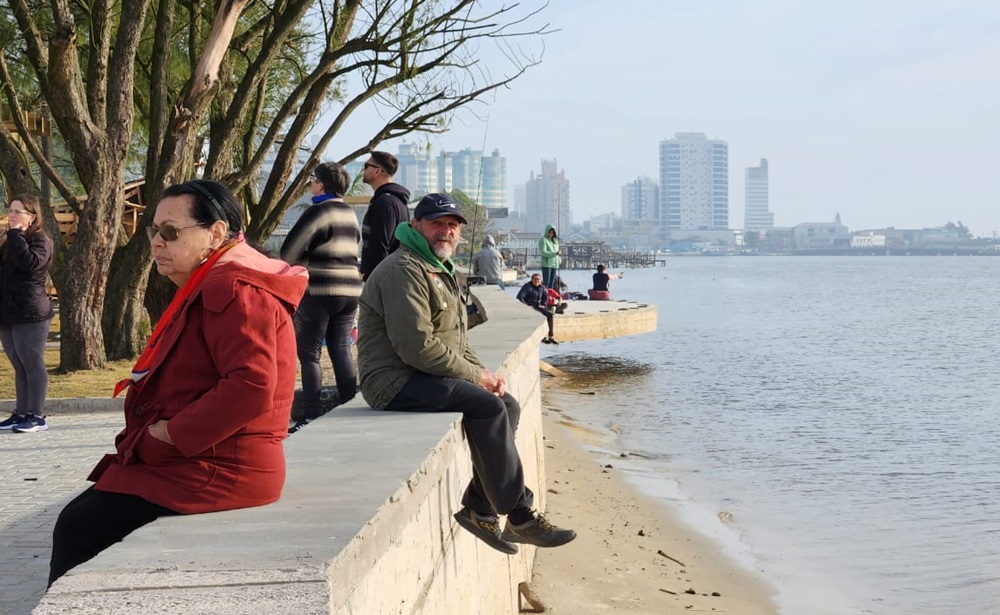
(479,223)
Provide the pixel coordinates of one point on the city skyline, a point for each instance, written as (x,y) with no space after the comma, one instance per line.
(881,113)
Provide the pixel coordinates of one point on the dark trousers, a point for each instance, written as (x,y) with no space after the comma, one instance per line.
(549,277)
(329,319)
(92,522)
(489,421)
(547,313)
(24,344)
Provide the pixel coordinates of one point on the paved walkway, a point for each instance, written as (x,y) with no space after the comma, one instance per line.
(39,473)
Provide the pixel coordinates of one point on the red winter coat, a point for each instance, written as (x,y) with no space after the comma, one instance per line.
(224,381)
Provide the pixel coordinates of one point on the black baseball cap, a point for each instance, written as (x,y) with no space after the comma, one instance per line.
(435,205)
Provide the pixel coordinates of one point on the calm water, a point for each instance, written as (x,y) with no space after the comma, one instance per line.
(842,410)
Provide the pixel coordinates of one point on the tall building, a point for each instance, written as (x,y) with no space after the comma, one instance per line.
(466,167)
(481,178)
(547,199)
(640,200)
(417,171)
(757,210)
(694,183)
(493,192)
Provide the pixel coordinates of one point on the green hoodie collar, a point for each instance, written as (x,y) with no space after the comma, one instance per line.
(418,243)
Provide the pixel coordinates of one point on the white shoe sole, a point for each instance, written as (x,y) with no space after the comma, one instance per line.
(31,429)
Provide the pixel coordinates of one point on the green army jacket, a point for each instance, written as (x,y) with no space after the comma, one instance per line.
(411,318)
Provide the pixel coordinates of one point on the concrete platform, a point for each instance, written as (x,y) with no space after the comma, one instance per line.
(364,523)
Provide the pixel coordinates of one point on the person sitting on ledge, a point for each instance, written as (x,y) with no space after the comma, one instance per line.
(414,356)
(600,290)
(206,412)
(536,295)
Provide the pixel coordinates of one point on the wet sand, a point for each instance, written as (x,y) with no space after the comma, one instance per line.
(632,553)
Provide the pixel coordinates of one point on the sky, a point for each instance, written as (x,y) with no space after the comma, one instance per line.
(885,111)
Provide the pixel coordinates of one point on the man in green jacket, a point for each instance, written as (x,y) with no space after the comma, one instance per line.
(414,355)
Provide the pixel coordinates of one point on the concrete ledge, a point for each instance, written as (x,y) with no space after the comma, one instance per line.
(595,320)
(364,525)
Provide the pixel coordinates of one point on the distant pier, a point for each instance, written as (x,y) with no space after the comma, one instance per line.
(586,255)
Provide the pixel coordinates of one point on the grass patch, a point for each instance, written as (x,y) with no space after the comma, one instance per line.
(89,383)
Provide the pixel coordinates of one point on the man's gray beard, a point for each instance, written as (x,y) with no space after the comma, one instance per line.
(442,250)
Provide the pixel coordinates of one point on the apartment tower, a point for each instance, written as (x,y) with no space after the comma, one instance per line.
(694,183)
(757,207)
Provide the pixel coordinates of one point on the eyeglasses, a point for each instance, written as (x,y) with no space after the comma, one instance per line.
(19,212)
(369,165)
(168,232)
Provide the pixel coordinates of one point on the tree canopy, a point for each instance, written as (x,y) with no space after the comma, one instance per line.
(170,89)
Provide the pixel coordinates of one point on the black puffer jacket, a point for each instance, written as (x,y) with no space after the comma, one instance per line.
(24,264)
(535,296)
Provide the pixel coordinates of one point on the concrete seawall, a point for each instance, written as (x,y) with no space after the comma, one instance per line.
(365,522)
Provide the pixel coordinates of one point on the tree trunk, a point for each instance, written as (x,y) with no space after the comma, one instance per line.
(82,292)
(125,321)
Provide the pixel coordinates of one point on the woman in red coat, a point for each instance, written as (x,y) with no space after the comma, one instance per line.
(208,402)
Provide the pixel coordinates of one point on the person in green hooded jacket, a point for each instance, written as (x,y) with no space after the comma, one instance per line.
(548,248)
(414,355)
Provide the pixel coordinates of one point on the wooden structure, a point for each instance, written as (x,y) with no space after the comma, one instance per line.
(68,222)
(35,122)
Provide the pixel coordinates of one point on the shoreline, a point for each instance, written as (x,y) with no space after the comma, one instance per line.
(633,553)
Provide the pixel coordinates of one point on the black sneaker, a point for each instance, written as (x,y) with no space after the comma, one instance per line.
(30,423)
(538,532)
(12,420)
(299,425)
(485,528)
(546,340)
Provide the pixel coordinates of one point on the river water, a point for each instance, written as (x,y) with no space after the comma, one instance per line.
(841,412)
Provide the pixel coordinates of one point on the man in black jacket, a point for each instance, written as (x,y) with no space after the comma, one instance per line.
(385,211)
(536,295)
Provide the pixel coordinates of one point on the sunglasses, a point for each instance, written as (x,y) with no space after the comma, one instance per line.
(168,232)
(369,165)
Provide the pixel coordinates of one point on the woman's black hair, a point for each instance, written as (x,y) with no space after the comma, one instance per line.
(334,177)
(212,201)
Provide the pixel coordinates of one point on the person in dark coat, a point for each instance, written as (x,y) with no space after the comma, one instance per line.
(206,413)
(25,310)
(386,210)
(536,295)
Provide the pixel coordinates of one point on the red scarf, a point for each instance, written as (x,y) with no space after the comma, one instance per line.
(145,362)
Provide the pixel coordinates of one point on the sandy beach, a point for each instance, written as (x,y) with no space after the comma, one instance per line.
(632,554)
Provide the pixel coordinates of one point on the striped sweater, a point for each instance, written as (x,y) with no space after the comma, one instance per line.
(325,241)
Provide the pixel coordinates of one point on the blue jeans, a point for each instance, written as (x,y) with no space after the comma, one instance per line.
(549,277)
(489,422)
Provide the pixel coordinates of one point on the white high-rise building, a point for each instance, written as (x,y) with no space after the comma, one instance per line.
(494,181)
(481,178)
(417,171)
(694,183)
(640,200)
(547,200)
(757,206)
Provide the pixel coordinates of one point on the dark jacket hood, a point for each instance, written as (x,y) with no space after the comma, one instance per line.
(395,190)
